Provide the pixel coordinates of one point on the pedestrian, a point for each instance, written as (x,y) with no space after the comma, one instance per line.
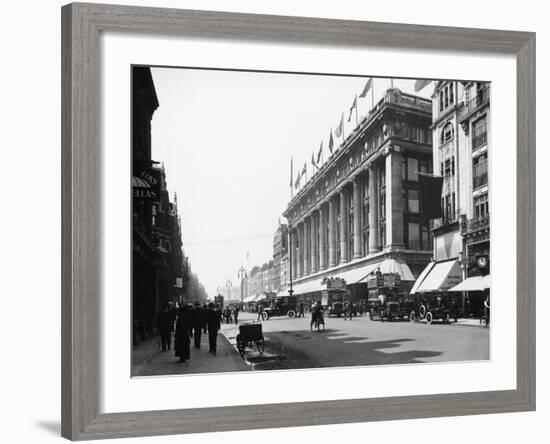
(227,315)
(455,309)
(487,310)
(213,324)
(301,312)
(204,308)
(260,311)
(236,314)
(198,321)
(183,332)
(165,327)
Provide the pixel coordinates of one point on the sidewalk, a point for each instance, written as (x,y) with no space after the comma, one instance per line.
(149,360)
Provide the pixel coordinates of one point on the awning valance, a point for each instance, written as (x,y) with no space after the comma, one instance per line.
(438,276)
(474,283)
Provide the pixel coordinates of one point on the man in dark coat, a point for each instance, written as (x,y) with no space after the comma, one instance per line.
(165,325)
(198,321)
(213,318)
(183,331)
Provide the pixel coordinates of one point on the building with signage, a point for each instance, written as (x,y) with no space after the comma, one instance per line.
(159,272)
(461,140)
(360,212)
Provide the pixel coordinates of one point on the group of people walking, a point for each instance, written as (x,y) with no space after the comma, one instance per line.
(187,322)
(231,314)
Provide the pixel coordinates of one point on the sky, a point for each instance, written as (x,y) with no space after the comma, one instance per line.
(226,139)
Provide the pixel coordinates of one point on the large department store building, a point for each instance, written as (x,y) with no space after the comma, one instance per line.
(360,211)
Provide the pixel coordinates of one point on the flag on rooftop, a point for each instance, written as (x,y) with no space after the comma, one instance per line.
(320,153)
(304,169)
(353,105)
(330,142)
(420,84)
(313,159)
(297,181)
(366,89)
(340,129)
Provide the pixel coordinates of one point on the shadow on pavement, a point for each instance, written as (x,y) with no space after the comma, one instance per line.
(333,348)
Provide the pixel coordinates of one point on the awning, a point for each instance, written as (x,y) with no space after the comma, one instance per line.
(393,266)
(474,283)
(307,287)
(438,276)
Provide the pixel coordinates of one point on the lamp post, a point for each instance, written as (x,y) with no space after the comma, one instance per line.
(242,275)
(229,284)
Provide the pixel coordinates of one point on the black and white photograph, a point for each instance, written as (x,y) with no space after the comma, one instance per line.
(288,221)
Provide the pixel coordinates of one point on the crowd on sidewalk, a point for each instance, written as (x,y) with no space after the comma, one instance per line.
(188,322)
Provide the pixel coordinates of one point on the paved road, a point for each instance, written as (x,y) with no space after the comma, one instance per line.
(291,344)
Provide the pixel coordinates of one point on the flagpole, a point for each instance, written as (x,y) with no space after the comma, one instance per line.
(291,179)
(356,111)
(372,93)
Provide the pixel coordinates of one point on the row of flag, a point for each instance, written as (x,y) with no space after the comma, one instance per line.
(317,159)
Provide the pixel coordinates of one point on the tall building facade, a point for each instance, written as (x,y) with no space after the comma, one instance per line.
(361,210)
(159,268)
(461,136)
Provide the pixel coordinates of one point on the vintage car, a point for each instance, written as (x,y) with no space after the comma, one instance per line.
(281,306)
(336,309)
(432,307)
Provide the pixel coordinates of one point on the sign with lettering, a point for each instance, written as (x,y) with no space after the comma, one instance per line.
(146,184)
(334,283)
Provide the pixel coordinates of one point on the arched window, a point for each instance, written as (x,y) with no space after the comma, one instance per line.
(447,132)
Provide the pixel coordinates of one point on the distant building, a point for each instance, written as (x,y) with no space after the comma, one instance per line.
(280,254)
(361,210)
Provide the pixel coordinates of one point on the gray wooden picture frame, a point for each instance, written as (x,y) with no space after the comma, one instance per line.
(81,175)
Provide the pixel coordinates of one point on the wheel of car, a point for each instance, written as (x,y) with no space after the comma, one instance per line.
(291,313)
(429,317)
(261,346)
(265,316)
(412,316)
(422,311)
(446,318)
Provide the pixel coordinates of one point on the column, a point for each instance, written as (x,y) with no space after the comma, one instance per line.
(307,246)
(374,239)
(322,238)
(343,226)
(331,233)
(292,247)
(300,250)
(395,204)
(357,205)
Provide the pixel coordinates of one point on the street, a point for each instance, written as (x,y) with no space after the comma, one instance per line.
(290,344)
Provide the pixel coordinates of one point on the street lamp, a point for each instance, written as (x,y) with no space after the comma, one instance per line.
(242,275)
(229,284)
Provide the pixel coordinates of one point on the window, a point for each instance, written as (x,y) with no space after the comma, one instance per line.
(414,236)
(479,133)
(448,203)
(481,207)
(412,168)
(425,235)
(382,233)
(480,171)
(447,132)
(425,165)
(446,96)
(413,201)
(449,167)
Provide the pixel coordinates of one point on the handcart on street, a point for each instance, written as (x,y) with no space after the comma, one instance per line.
(250,335)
